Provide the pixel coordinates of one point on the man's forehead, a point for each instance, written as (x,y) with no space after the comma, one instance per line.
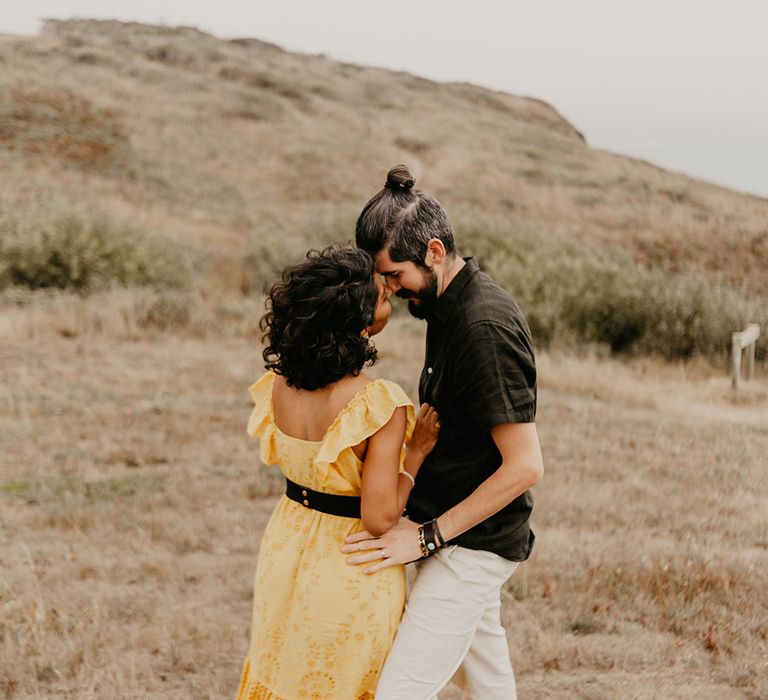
(385,266)
(384,269)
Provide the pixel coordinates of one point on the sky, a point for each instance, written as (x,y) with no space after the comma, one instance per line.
(680,83)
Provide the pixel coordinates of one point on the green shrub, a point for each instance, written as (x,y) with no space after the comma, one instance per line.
(72,253)
(273,249)
(572,293)
(268,256)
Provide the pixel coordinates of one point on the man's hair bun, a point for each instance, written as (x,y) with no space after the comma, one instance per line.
(399,178)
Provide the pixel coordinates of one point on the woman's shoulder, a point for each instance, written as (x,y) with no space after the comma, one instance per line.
(377,389)
(370,404)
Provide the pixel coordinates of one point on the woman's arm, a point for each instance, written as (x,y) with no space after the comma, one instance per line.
(522,466)
(384,491)
(422,442)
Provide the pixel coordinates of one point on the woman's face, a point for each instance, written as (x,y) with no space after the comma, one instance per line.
(383,307)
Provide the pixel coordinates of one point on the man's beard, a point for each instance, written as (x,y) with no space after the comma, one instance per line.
(426,296)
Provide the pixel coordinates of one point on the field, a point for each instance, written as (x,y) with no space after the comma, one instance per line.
(132,505)
(153,178)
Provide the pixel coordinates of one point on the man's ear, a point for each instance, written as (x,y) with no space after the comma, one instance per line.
(435,252)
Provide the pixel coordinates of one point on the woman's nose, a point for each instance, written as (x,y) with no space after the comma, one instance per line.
(392,285)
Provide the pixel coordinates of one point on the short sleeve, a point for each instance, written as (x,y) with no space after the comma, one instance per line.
(496,374)
(261,423)
(369,411)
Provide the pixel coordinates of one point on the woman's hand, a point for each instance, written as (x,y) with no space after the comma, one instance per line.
(425,433)
(398,546)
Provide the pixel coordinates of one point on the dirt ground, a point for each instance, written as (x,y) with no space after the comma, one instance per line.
(131,504)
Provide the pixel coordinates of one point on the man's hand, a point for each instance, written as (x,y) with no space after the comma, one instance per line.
(398,546)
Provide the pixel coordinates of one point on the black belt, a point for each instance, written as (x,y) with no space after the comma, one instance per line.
(333,504)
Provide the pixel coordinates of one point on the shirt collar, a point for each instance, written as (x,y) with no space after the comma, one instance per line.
(447,301)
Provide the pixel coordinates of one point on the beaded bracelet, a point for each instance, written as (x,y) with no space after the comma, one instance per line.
(430,538)
(422,543)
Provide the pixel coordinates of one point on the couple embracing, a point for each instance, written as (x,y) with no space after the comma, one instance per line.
(371,486)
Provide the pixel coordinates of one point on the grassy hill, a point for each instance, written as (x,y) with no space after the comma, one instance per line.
(244,155)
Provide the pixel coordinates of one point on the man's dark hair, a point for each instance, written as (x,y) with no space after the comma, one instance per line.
(315,316)
(403,218)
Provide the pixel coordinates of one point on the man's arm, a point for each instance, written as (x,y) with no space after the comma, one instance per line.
(521,467)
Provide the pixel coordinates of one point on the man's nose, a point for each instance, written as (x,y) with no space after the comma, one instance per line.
(392,284)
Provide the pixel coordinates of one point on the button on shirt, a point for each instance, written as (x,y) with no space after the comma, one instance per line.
(479,372)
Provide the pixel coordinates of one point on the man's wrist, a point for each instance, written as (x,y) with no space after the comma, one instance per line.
(438,533)
(430,538)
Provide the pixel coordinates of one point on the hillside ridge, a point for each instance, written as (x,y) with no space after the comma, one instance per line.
(222,142)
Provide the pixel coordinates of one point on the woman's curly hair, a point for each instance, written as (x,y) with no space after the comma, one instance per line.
(315,316)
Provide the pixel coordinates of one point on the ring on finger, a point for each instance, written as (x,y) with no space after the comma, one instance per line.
(384,554)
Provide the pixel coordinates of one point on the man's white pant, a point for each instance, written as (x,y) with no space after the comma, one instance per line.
(453,615)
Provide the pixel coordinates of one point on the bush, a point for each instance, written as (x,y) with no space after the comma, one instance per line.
(271,250)
(571,293)
(575,294)
(268,256)
(71,253)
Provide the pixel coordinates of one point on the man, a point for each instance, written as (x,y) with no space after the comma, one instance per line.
(469,508)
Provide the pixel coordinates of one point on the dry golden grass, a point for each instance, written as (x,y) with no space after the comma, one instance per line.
(132,505)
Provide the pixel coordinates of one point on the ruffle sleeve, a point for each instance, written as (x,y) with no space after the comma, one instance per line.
(261,423)
(367,412)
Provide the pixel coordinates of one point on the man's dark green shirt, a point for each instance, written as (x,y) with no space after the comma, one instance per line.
(479,372)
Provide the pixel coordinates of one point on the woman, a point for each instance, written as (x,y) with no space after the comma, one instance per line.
(321,628)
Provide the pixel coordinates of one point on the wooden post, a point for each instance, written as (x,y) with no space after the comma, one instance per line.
(739,341)
(735,359)
(750,361)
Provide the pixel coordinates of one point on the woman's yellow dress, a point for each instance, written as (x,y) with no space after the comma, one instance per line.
(321,628)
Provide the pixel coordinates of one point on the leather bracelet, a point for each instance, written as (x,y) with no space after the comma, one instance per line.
(438,534)
(431,542)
